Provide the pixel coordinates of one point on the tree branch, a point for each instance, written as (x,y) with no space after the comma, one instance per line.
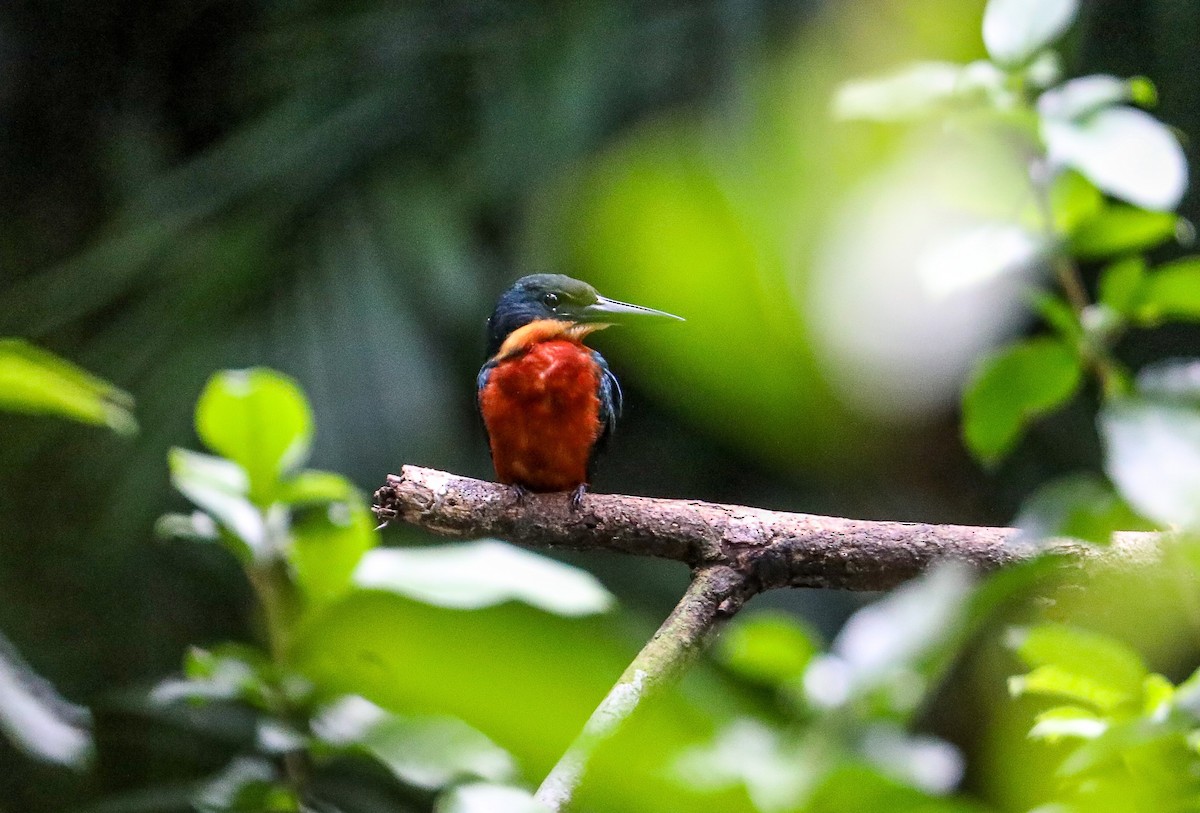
(733,551)
(771,549)
(715,594)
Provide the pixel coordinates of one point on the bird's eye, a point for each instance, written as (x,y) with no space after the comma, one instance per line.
(549,299)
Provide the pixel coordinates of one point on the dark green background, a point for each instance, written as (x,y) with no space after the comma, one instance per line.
(340,190)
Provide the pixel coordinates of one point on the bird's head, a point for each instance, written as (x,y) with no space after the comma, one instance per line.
(560,298)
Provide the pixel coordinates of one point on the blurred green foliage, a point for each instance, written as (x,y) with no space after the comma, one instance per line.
(339,620)
(361,667)
(34,717)
(1017,384)
(1132,733)
(338,192)
(35,381)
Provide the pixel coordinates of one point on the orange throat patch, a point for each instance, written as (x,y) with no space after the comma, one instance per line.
(542,330)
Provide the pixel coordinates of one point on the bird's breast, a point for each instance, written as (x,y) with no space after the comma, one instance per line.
(542,412)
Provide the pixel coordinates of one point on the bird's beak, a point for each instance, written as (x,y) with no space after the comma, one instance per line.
(614,312)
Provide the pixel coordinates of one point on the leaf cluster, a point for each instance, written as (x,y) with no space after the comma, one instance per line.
(1130,738)
(838,735)
(1103,176)
(306,541)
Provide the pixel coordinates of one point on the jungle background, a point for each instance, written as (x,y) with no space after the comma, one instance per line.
(340,191)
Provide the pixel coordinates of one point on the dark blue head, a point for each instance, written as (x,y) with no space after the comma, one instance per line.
(555,296)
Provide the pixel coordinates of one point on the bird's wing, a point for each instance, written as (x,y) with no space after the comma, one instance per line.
(611,400)
(481,381)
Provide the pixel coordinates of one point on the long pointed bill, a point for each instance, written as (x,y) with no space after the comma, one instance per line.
(610,310)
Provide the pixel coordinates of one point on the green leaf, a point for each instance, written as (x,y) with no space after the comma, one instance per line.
(1171,292)
(1142,91)
(1079,664)
(327,545)
(259,419)
(219,487)
(1063,722)
(229,672)
(480,574)
(1013,387)
(1054,681)
(1082,651)
(1152,455)
(37,719)
(1158,693)
(527,678)
(770,648)
(1080,506)
(1015,30)
(314,487)
(1073,201)
(1120,229)
(1126,749)
(38,382)
(484,798)
(1121,284)
(1059,315)
(852,786)
(427,752)
(1125,152)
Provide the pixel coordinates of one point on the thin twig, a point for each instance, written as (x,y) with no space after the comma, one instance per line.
(714,594)
(274,590)
(1093,348)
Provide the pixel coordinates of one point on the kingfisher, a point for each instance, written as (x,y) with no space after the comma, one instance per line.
(549,402)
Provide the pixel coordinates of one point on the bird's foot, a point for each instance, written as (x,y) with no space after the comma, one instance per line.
(520,493)
(576,498)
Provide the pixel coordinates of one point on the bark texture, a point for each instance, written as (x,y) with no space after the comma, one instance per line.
(768,549)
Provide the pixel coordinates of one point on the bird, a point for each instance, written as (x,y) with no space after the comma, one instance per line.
(549,402)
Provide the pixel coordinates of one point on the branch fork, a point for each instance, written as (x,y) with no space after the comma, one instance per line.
(734,552)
